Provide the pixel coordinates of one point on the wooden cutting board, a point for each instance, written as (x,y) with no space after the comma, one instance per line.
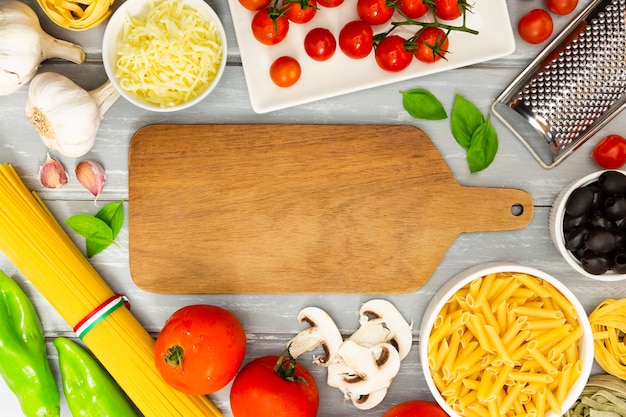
(299,208)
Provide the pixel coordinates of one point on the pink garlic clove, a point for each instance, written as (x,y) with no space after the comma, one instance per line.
(91,175)
(52,174)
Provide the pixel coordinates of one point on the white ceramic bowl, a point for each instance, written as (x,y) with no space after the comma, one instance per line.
(464,278)
(556,228)
(140,8)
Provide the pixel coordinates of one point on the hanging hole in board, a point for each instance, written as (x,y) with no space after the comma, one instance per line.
(517,210)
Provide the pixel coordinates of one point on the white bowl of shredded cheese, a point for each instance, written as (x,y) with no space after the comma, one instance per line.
(164,55)
(504,339)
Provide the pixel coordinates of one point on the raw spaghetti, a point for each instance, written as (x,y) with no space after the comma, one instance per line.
(38,246)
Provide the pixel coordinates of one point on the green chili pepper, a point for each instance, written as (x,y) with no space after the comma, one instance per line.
(23,360)
(89,390)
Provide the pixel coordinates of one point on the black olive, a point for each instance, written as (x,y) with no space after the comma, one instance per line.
(580,252)
(615,208)
(579,202)
(570,222)
(612,182)
(595,263)
(575,239)
(620,240)
(600,240)
(598,196)
(599,220)
(619,263)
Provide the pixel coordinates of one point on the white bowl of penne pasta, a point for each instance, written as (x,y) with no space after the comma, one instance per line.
(504,339)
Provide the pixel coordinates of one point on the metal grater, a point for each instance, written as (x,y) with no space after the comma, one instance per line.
(572,88)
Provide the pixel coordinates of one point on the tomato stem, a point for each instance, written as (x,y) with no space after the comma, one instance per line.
(174,356)
(285,368)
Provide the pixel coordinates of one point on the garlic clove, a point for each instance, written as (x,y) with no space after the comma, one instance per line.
(52,174)
(91,175)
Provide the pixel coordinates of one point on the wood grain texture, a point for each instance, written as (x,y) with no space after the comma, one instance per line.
(299,208)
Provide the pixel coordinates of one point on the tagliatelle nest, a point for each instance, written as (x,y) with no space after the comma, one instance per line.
(608,324)
(77,15)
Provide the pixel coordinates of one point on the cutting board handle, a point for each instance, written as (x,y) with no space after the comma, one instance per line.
(495,209)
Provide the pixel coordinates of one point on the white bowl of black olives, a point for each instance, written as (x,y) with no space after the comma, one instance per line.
(588,225)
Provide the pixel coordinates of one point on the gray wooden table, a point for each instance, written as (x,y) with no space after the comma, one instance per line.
(270,320)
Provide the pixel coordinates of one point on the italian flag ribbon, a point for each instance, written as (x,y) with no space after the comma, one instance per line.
(100,313)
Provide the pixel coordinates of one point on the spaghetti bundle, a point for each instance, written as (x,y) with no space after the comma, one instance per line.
(39,247)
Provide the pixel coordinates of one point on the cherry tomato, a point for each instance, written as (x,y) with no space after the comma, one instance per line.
(329,3)
(391,55)
(270,26)
(320,44)
(374,12)
(200,349)
(535,26)
(413,9)
(301,11)
(561,7)
(260,390)
(285,71)
(610,152)
(430,45)
(448,9)
(254,5)
(416,408)
(356,39)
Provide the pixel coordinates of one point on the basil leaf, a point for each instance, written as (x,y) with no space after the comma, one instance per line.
(422,104)
(94,247)
(90,227)
(465,119)
(483,147)
(113,215)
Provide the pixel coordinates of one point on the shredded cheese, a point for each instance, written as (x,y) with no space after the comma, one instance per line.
(169,57)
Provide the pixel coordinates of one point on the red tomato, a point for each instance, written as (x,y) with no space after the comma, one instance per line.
(448,9)
(413,9)
(261,390)
(416,408)
(329,3)
(374,12)
(561,7)
(610,152)
(430,45)
(320,44)
(356,39)
(535,26)
(270,26)
(254,5)
(301,11)
(391,55)
(285,71)
(200,349)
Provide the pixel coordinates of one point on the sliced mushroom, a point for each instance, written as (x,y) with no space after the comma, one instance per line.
(381,322)
(322,332)
(359,370)
(367,402)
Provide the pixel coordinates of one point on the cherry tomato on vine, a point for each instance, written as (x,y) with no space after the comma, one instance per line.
(449,9)
(391,55)
(356,39)
(374,12)
(561,7)
(610,152)
(413,9)
(200,349)
(320,44)
(329,3)
(274,386)
(285,71)
(430,44)
(254,5)
(416,408)
(535,26)
(270,26)
(300,11)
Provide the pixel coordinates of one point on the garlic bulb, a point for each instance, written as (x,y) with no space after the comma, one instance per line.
(24,45)
(65,115)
